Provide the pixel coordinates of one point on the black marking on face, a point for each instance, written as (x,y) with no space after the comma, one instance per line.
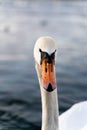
(45,55)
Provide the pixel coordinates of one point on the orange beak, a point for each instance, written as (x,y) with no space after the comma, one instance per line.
(48,75)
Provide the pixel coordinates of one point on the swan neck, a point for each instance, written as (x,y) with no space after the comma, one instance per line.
(49,106)
(49,110)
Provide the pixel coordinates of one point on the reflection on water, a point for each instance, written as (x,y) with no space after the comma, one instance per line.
(21,23)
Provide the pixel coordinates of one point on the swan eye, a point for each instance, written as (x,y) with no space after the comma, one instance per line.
(53,55)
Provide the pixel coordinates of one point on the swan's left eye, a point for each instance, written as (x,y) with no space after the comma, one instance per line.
(53,55)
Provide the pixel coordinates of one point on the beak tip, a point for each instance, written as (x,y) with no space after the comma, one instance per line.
(50,88)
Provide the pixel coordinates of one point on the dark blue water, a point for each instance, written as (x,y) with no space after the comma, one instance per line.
(21,23)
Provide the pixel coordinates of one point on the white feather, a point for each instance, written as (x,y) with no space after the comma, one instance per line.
(73,119)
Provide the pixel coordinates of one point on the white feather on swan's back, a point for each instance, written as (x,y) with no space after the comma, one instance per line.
(75,118)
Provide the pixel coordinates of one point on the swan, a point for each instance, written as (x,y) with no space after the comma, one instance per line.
(73,119)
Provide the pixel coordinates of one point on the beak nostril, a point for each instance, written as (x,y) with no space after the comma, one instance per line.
(46,69)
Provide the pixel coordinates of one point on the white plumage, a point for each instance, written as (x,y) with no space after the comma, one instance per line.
(73,119)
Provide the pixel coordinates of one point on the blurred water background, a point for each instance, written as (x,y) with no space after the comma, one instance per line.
(21,23)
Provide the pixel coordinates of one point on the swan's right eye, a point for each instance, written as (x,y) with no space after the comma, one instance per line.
(43,55)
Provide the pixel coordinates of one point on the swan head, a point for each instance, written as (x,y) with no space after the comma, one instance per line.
(44,54)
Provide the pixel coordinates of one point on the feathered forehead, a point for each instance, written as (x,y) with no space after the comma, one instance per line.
(46,44)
